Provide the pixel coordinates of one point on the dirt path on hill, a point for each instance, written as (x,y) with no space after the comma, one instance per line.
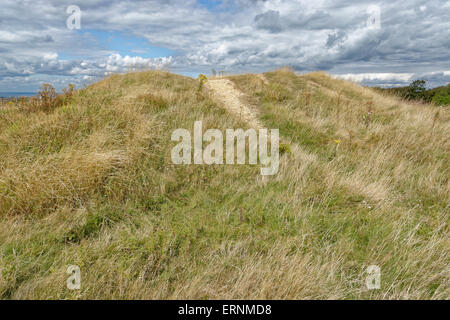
(230,97)
(263,78)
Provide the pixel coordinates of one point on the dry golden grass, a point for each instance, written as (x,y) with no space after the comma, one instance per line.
(91,183)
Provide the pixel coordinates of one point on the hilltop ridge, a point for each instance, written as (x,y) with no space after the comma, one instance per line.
(363,180)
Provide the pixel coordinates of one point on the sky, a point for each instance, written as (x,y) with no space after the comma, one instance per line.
(382,43)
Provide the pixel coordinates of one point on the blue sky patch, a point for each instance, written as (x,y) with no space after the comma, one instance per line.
(127,44)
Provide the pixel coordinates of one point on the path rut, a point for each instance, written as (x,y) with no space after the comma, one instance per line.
(231,98)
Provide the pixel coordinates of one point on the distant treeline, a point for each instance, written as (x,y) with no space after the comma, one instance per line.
(417,91)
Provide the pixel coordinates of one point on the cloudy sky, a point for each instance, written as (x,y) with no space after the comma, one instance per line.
(387,43)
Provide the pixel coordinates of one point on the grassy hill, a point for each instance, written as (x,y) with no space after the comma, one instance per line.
(89,181)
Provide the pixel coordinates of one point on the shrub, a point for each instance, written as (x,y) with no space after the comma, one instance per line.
(441,96)
(47,99)
(47,96)
(442,99)
(417,91)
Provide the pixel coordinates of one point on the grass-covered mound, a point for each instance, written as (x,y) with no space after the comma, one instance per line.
(363,181)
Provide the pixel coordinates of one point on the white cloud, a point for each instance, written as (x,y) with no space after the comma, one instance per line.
(362,77)
(50,56)
(238,35)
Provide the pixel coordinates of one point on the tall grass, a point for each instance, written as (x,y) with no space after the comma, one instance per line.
(90,183)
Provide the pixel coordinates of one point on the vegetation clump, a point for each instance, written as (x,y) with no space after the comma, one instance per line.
(202,79)
(417,91)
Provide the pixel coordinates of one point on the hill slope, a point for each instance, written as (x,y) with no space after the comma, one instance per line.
(364,181)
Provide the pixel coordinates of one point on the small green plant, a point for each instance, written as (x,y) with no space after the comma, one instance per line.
(69,90)
(202,80)
(284,148)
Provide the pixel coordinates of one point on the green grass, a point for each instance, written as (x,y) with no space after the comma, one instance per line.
(92,184)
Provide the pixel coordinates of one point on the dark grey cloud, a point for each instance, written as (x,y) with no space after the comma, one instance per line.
(335,38)
(269,20)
